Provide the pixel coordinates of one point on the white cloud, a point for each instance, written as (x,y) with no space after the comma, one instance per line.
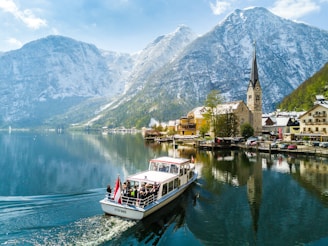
(26,16)
(219,7)
(13,42)
(293,9)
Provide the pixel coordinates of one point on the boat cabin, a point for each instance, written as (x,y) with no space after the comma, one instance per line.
(169,165)
(165,175)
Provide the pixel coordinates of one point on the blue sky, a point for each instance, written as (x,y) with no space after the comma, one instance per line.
(129,25)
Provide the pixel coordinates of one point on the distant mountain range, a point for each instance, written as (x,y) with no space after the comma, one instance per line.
(60,81)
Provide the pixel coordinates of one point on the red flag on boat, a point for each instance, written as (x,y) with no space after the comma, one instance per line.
(117,191)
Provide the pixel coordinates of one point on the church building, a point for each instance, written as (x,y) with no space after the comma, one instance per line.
(251,112)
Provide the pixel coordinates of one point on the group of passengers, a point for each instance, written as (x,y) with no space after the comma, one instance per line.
(139,194)
(144,191)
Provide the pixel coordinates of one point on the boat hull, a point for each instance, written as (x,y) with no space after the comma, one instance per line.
(136,213)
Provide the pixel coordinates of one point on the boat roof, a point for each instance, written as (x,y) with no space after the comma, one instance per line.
(152,176)
(171,160)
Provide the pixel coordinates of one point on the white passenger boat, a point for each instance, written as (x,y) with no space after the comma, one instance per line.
(146,192)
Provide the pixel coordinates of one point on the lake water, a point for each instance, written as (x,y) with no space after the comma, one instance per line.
(51,184)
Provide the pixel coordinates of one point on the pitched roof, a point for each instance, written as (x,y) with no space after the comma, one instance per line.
(227,107)
(314,107)
(198,112)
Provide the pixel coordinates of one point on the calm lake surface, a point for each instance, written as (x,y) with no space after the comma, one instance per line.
(51,184)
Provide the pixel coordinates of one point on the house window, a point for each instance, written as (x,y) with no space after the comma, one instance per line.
(310,120)
(309,114)
(304,129)
(324,129)
(323,120)
(304,121)
(309,129)
(316,129)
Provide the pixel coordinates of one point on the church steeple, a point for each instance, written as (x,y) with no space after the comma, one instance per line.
(254,97)
(254,74)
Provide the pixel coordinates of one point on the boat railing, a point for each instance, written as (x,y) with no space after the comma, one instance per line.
(136,201)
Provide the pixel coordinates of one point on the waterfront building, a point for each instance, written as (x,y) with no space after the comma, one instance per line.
(246,113)
(314,123)
(254,98)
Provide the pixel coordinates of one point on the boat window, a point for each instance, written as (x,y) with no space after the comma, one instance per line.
(164,191)
(133,183)
(171,186)
(181,170)
(161,167)
(176,183)
(174,169)
(153,166)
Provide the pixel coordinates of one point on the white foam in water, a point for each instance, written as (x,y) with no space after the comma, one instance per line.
(89,231)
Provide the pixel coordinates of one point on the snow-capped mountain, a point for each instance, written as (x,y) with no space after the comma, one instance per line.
(287,54)
(157,54)
(173,74)
(50,75)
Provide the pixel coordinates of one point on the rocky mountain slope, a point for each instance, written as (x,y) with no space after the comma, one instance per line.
(287,54)
(58,80)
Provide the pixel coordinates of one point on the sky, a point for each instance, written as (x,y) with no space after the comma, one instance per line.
(130,25)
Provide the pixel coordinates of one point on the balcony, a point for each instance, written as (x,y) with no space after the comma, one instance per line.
(319,115)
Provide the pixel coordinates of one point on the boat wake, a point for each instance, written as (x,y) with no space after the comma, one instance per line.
(57,220)
(88,231)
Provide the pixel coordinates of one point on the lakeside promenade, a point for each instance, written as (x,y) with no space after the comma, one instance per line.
(266,147)
(261,146)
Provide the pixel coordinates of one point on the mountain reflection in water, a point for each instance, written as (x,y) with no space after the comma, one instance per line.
(51,186)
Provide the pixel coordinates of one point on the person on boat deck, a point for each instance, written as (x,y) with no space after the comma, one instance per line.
(155,189)
(125,189)
(134,192)
(143,191)
(109,190)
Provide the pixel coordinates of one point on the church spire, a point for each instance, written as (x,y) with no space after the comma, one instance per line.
(254,97)
(254,74)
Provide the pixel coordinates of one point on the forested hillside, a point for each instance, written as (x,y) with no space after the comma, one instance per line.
(303,97)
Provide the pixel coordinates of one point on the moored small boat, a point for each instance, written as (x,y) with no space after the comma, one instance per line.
(146,192)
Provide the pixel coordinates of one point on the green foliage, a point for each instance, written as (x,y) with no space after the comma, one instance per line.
(227,125)
(303,97)
(246,130)
(204,129)
(213,99)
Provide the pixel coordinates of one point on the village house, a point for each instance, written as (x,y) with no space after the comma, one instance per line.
(191,124)
(314,123)
(281,126)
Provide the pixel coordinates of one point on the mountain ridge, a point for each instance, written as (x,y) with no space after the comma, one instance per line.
(285,59)
(58,80)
